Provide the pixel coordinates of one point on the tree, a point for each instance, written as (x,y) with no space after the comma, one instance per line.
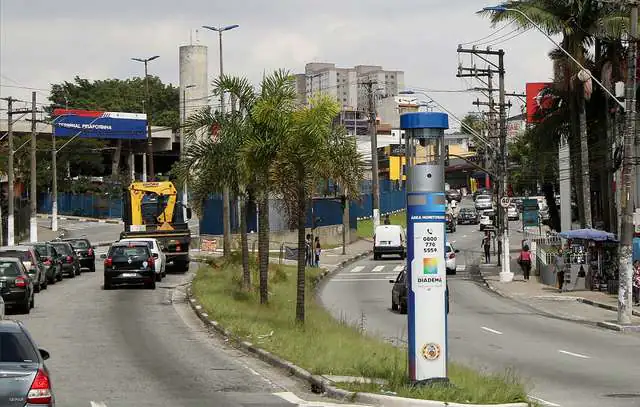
(474,124)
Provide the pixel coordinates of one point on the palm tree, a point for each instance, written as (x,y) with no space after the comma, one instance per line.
(310,153)
(578,21)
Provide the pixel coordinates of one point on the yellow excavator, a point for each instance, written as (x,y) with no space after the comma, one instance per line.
(150,212)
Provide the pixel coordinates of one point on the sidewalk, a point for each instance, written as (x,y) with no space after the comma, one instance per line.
(44,235)
(591,307)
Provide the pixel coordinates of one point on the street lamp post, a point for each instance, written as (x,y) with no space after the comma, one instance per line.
(146,61)
(226,198)
(182,134)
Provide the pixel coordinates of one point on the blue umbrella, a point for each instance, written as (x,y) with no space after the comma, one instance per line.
(589,234)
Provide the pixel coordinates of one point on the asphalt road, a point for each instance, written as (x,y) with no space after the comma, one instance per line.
(137,347)
(565,363)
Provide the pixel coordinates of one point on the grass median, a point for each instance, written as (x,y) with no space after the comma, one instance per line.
(365,226)
(326,346)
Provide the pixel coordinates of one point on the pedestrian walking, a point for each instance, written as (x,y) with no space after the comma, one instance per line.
(308,252)
(636,282)
(486,244)
(525,262)
(318,250)
(559,268)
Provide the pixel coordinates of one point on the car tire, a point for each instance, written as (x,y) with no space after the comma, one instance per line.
(32,303)
(107,284)
(403,309)
(26,307)
(51,280)
(44,284)
(159,277)
(72,274)
(36,288)
(150,286)
(394,306)
(92,268)
(376,256)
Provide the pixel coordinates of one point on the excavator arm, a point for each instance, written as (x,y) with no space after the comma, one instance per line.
(137,193)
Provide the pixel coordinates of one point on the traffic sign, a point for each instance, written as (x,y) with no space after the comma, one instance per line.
(505,201)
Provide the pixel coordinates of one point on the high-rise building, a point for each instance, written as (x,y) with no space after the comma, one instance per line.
(343,83)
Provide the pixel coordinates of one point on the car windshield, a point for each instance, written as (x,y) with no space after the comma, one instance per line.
(15,347)
(9,269)
(22,255)
(79,244)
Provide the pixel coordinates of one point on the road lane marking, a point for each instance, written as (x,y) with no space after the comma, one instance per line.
(544,402)
(357,269)
(359,279)
(378,268)
(574,354)
(98,404)
(398,268)
(493,331)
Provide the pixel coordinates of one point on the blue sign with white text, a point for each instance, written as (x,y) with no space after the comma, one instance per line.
(99,125)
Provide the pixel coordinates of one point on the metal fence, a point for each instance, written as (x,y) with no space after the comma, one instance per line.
(87,205)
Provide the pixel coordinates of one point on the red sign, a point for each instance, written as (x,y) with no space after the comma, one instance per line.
(540,101)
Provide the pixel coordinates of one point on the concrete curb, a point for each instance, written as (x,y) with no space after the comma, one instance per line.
(602,324)
(320,384)
(82,219)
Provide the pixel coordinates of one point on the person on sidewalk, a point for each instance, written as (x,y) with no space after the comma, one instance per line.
(525,262)
(636,282)
(559,268)
(486,244)
(308,251)
(318,250)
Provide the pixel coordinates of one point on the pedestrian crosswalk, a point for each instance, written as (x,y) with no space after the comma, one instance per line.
(375,272)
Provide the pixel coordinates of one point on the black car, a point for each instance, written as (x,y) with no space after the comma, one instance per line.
(452,224)
(468,216)
(33,265)
(399,293)
(129,263)
(16,287)
(70,262)
(51,259)
(85,252)
(24,377)
(453,195)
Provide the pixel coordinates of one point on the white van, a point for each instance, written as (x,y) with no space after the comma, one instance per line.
(389,239)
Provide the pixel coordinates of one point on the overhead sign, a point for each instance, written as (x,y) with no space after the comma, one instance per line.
(99,125)
(397,150)
(427,285)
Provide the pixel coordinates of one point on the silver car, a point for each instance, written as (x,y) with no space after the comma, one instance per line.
(483,202)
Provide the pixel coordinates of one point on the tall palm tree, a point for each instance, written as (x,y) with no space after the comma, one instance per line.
(578,21)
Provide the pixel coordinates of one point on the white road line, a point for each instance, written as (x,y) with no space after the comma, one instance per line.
(544,402)
(378,268)
(357,269)
(493,331)
(98,404)
(359,279)
(399,268)
(368,274)
(574,354)
(293,399)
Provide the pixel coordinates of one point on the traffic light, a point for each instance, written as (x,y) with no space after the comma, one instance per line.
(446,156)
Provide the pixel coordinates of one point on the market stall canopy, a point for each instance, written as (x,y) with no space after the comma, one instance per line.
(589,234)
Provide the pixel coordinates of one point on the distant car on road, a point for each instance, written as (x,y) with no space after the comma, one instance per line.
(31,261)
(486,220)
(399,293)
(85,253)
(389,239)
(450,258)
(451,223)
(16,287)
(453,195)
(483,202)
(468,216)
(512,212)
(129,263)
(51,260)
(23,373)
(158,255)
(70,262)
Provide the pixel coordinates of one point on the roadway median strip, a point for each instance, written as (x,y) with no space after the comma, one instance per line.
(325,346)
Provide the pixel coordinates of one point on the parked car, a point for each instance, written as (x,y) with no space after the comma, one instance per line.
(389,239)
(487,220)
(24,377)
(31,261)
(481,191)
(450,258)
(70,263)
(51,260)
(453,195)
(399,293)
(129,263)
(512,212)
(451,223)
(85,252)
(158,255)
(468,216)
(16,287)
(483,202)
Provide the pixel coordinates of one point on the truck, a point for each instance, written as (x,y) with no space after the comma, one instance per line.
(150,211)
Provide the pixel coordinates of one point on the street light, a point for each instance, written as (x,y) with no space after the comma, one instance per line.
(502,9)
(145,61)
(182,133)
(226,208)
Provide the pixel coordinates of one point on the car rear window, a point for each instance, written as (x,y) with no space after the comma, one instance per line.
(79,244)
(22,255)
(15,347)
(129,251)
(41,250)
(62,248)
(9,269)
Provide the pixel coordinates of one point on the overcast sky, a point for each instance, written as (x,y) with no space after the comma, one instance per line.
(44,42)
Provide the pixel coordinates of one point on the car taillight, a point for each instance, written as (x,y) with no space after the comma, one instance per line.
(452,255)
(40,391)
(178,248)
(48,261)
(90,252)
(108,262)
(69,259)
(20,282)
(151,261)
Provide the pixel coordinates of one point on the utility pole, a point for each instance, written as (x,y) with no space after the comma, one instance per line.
(182,147)
(373,131)
(54,180)
(146,61)
(506,274)
(10,175)
(625,299)
(33,222)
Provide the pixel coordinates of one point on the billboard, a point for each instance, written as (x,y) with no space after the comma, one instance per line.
(99,125)
(541,100)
